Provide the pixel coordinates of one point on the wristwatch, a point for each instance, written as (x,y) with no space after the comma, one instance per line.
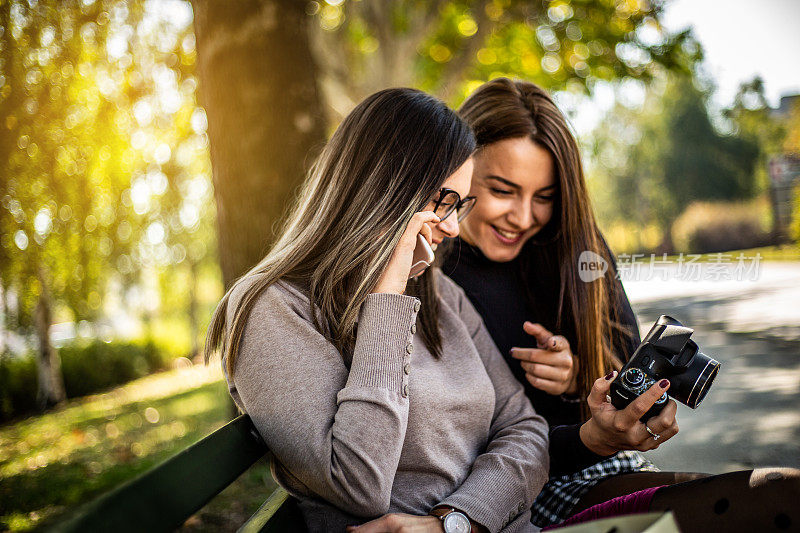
(453,521)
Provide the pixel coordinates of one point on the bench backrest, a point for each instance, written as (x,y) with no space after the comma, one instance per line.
(164,497)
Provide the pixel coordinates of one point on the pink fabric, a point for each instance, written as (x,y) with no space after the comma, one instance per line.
(635,502)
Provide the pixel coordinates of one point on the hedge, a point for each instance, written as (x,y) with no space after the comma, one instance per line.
(87,366)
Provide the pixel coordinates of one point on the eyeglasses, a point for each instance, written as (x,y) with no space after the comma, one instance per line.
(450,201)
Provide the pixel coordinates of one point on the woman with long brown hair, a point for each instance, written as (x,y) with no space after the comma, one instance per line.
(564,338)
(377,393)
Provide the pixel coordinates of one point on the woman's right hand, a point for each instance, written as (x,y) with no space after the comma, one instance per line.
(610,430)
(395,276)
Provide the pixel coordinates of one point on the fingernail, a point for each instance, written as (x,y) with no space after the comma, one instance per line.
(664,383)
(609,375)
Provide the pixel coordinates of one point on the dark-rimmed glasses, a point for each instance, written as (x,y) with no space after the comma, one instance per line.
(450,201)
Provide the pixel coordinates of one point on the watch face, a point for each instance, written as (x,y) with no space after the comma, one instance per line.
(456,522)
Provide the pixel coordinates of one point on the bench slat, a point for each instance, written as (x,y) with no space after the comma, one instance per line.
(276,515)
(164,497)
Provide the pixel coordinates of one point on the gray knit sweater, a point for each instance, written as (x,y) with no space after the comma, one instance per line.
(399,431)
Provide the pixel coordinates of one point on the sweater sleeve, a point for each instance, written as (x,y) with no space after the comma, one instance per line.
(506,478)
(568,453)
(339,433)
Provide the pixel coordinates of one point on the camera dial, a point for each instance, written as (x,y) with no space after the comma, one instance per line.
(633,377)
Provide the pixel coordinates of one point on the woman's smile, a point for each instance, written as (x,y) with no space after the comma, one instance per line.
(507,237)
(514,180)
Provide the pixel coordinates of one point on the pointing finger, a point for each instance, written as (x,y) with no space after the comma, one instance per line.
(538,331)
(546,371)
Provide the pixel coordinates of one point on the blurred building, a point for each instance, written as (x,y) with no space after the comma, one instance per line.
(786,105)
(784,173)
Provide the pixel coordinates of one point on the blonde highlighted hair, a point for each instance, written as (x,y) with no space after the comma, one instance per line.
(384,162)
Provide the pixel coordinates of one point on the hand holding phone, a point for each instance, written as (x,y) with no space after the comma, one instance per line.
(409,252)
(423,257)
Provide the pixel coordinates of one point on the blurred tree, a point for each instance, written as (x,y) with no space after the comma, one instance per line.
(258,77)
(258,86)
(103,161)
(751,118)
(791,141)
(652,161)
(448,46)
(791,145)
(172,191)
(65,166)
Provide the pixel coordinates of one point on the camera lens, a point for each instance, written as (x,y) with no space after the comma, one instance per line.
(704,379)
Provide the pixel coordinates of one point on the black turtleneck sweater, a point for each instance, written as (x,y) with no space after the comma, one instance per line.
(526,288)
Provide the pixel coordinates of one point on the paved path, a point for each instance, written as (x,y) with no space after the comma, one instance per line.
(751,416)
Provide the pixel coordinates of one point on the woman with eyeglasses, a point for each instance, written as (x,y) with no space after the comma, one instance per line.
(517,260)
(382,398)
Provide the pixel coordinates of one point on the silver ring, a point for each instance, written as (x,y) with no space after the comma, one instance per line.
(656,436)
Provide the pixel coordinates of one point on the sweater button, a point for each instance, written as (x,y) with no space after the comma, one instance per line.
(409,348)
(416,306)
(413,328)
(407,368)
(405,390)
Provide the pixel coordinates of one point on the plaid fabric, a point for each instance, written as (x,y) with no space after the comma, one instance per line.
(559,495)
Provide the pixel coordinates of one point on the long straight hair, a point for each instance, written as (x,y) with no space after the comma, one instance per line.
(504,109)
(386,160)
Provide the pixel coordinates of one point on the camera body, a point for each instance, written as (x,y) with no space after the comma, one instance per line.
(667,351)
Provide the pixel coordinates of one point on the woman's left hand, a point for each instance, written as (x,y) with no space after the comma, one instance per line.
(397,522)
(551,367)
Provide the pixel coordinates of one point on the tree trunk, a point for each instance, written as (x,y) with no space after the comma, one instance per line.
(48,363)
(265,119)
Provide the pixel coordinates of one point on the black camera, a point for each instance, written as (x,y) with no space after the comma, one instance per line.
(666,352)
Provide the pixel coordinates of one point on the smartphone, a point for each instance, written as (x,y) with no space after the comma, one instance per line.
(423,257)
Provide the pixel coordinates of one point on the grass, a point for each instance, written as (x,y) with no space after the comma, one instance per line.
(52,464)
(786,252)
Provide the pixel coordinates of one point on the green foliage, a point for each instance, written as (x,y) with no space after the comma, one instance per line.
(791,144)
(652,161)
(87,366)
(629,238)
(67,155)
(752,119)
(701,163)
(17,386)
(448,46)
(706,227)
(104,168)
(97,365)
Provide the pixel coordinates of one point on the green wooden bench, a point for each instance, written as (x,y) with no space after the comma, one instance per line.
(165,496)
